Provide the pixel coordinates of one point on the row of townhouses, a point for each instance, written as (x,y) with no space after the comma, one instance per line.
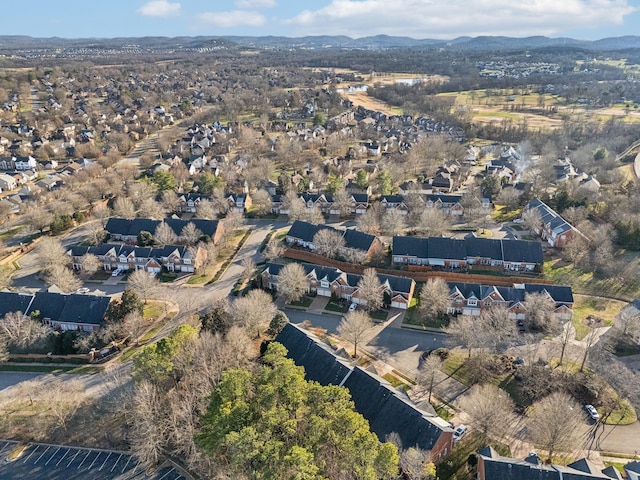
(301,234)
(451,253)
(189,202)
(127,230)
(59,311)
(472,298)
(554,229)
(175,258)
(327,281)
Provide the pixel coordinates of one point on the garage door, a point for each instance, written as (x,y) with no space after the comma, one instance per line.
(324,292)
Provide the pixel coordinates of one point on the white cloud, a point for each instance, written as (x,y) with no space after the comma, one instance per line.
(234,18)
(159,8)
(256,3)
(447,19)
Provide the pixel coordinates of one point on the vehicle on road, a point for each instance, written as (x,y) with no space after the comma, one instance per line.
(459,432)
(352,307)
(82,290)
(592,412)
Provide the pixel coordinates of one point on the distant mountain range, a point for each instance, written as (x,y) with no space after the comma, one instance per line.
(484,43)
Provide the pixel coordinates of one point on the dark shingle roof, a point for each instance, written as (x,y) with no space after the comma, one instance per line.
(386,412)
(455,249)
(522,251)
(358,240)
(74,308)
(374,399)
(50,305)
(319,362)
(352,238)
(13,302)
(86,309)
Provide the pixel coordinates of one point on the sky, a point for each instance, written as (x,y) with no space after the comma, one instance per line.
(437,19)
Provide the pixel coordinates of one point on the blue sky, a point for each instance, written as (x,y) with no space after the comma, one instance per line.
(442,19)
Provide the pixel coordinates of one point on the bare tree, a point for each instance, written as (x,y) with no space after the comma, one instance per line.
(294,205)
(434,298)
(233,221)
(566,333)
(343,201)
(416,464)
(148,432)
(370,290)
(124,208)
(261,202)
(190,234)
(248,268)
(207,209)
(370,221)
(95,232)
(392,222)
(273,249)
(490,409)
(353,328)
(164,235)
(539,310)
(314,216)
(462,332)
(588,343)
(170,201)
(328,242)
(532,220)
(628,320)
(149,208)
(50,252)
(433,222)
(556,423)
(496,330)
(254,311)
(430,373)
(575,250)
(62,277)
(38,219)
(143,283)
(292,282)
(90,264)
(102,213)
(61,397)
(132,326)
(21,331)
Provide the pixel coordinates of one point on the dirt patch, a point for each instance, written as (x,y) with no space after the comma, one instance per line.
(361,99)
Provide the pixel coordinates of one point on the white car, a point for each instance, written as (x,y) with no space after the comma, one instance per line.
(593,413)
(352,307)
(116,272)
(459,432)
(82,290)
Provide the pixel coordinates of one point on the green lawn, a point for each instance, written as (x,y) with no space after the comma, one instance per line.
(153,310)
(380,315)
(413,317)
(304,302)
(587,283)
(198,279)
(336,307)
(6,235)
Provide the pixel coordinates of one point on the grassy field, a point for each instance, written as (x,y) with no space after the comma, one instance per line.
(603,309)
(587,283)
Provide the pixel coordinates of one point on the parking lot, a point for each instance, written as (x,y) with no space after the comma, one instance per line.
(58,462)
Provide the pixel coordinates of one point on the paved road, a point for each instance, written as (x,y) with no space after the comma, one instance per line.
(9,379)
(398,347)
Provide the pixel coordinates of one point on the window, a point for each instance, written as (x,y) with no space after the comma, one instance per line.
(186,261)
(472,302)
(324,284)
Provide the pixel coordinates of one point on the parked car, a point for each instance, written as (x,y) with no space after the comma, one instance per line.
(592,412)
(459,432)
(82,290)
(352,307)
(116,272)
